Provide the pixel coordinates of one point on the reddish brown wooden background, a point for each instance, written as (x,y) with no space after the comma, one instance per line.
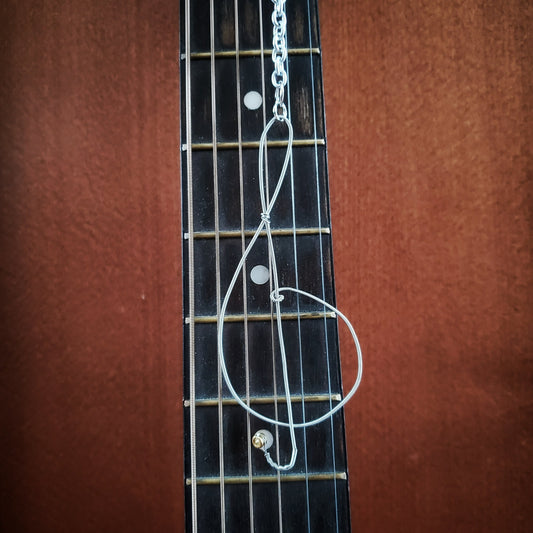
(429,121)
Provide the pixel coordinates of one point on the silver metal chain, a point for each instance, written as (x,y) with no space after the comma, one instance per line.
(279,56)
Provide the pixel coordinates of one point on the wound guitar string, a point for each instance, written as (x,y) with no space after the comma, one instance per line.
(263,439)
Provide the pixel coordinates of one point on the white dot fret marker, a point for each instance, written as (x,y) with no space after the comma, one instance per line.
(253,100)
(260,274)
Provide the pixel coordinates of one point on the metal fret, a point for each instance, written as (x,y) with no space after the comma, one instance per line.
(235,234)
(252,53)
(254,144)
(288,478)
(256,317)
(265,400)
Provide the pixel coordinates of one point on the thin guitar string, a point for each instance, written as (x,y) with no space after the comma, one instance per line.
(190,227)
(263,108)
(319,215)
(244,278)
(278,47)
(277,297)
(279,5)
(274,378)
(272,319)
(296,277)
(220,412)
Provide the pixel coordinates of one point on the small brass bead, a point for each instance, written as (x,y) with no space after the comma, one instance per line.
(258,440)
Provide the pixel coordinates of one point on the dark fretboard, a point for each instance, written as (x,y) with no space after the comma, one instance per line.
(225,54)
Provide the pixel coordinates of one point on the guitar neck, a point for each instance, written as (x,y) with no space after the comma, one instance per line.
(225,65)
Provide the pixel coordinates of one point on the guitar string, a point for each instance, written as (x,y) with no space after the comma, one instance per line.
(190,228)
(275,367)
(277,297)
(244,277)
(272,328)
(278,49)
(263,109)
(319,215)
(297,283)
(220,412)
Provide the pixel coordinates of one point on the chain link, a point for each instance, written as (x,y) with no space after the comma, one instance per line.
(279,56)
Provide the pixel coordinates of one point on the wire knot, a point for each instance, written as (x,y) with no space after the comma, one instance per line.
(265,217)
(276,298)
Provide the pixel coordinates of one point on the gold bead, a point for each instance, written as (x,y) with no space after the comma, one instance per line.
(258,440)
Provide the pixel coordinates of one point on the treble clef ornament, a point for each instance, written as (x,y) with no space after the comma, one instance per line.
(263,438)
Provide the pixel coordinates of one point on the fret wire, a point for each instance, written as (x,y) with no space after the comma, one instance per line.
(286,478)
(281,232)
(255,144)
(322,259)
(263,400)
(259,317)
(244,277)
(217,261)
(252,53)
(190,221)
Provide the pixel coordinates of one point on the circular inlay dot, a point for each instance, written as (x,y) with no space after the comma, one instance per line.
(260,274)
(253,100)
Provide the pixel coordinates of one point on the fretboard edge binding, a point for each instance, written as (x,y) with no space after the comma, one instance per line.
(235,480)
(250,53)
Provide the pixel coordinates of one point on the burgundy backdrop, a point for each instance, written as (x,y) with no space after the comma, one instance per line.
(429,122)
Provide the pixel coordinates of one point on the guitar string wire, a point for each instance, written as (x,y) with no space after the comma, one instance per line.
(297,285)
(220,412)
(279,80)
(244,278)
(263,110)
(280,115)
(190,228)
(279,6)
(272,310)
(319,216)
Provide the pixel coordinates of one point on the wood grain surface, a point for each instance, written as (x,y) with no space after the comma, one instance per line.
(429,136)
